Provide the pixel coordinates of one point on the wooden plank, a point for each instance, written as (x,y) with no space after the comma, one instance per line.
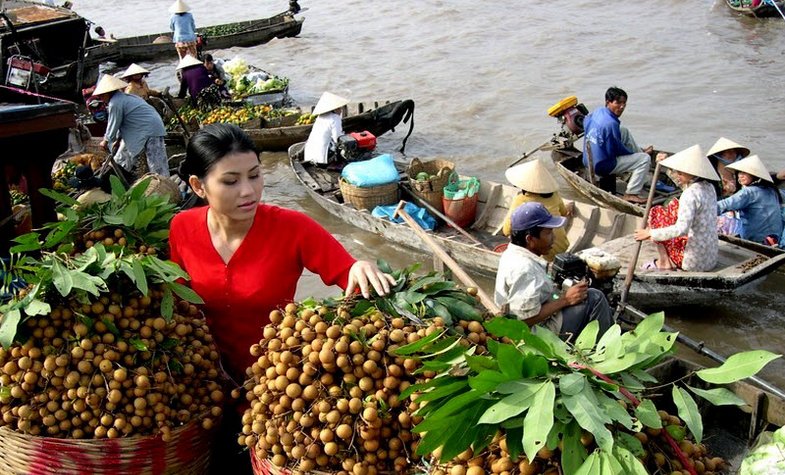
(306,177)
(589,231)
(490,205)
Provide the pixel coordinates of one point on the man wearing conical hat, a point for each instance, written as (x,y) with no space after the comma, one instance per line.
(609,151)
(721,154)
(183,26)
(135,123)
(327,127)
(758,202)
(695,217)
(137,85)
(537,184)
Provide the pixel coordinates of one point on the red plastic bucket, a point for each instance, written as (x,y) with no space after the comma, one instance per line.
(461,211)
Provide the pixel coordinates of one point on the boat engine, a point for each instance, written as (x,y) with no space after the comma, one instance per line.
(356,146)
(570,114)
(596,267)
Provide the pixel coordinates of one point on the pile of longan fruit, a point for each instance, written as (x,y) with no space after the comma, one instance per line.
(111,367)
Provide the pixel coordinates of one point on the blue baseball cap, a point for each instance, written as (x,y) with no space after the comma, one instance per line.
(533,214)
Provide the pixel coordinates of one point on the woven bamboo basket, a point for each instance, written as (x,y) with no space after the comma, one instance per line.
(431,190)
(266,467)
(370,197)
(188,453)
(161,185)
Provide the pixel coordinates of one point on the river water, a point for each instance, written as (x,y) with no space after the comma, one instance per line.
(483,75)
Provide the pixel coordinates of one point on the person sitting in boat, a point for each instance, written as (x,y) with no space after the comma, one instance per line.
(323,139)
(685,230)
(217,75)
(721,154)
(195,81)
(524,286)
(537,184)
(136,123)
(758,202)
(611,148)
(137,85)
(183,26)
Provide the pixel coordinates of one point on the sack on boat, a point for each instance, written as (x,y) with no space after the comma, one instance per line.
(374,172)
(421,215)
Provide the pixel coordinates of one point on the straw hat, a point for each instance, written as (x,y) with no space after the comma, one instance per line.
(187,61)
(726,144)
(752,165)
(109,83)
(133,70)
(532,176)
(179,6)
(329,102)
(691,161)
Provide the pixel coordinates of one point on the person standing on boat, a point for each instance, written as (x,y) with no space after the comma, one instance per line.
(685,231)
(537,184)
(137,85)
(612,150)
(183,26)
(136,123)
(524,286)
(327,127)
(758,202)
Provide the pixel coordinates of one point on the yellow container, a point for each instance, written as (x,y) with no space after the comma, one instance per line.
(557,109)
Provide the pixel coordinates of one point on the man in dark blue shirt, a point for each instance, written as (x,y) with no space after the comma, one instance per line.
(612,149)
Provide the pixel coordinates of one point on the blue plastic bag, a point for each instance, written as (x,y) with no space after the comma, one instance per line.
(420,215)
(374,172)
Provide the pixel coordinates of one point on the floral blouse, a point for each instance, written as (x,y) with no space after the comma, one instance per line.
(697,220)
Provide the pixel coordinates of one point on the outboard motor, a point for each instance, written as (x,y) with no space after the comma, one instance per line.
(570,115)
(593,265)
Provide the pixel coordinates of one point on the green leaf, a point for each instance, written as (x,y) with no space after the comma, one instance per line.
(440,311)
(111,326)
(573,453)
(558,347)
(513,361)
(646,412)
(143,218)
(137,191)
(448,390)
(590,466)
(512,405)
(719,396)
(584,407)
(118,190)
(480,363)
(643,376)
(418,345)
(487,380)
(57,196)
(8,327)
(449,409)
(167,304)
(609,464)
(588,336)
(130,213)
(26,243)
(434,383)
(645,329)
(140,278)
(61,278)
(169,343)
(534,366)
(677,432)
(738,366)
(138,344)
(186,293)
(539,419)
(614,410)
(630,443)
(515,441)
(460,310)
(630,464)
(37,307)
(572,383)
(89,283)
(468,434)
(512,329)
(688,411)
(609,346)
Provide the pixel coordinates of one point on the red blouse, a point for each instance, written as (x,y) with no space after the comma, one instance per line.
(261,275)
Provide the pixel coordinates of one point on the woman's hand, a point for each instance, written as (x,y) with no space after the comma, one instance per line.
(642,234)
(364,272)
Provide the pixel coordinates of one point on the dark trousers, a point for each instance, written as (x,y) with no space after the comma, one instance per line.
(228,457)
(576,317)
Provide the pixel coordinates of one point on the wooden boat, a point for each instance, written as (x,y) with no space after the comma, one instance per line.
(591,225)
(375,118)
(760,9)
(243,33)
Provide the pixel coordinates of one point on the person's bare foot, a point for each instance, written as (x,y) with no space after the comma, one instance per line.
(634,199)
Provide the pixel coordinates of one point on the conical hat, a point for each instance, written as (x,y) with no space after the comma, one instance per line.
(752,165)
(692,161)
(723,144)
(329,102)
(109,83)
(532,176)
(179,6)
(187,61)
(133,70)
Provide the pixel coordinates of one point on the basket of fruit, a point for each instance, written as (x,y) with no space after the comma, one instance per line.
(428,179)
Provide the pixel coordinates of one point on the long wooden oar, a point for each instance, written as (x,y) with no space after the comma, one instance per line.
(528,154)
(634,261)
(442,254)
(700,348)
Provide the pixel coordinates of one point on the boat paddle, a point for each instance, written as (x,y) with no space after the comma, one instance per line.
(442,254)
(442,216)
(634,260)
(528,154)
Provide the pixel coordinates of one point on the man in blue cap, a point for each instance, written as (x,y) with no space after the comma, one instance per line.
(523,283)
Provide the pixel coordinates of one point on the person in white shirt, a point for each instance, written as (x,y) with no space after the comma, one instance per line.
(524,286)
(326,129)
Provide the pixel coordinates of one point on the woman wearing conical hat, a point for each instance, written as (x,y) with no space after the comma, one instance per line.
(690,242)
(327,127)
(758,202)
(537,184)
(721,154)
(137,85)
(183,26)
(195,81)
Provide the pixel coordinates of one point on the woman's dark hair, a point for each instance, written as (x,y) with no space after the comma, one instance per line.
(519,237)
(209,145)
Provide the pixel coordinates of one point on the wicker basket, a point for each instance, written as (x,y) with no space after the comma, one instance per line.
(161,185)
(370,197)
(187,453)
(431,190)
(266,467)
